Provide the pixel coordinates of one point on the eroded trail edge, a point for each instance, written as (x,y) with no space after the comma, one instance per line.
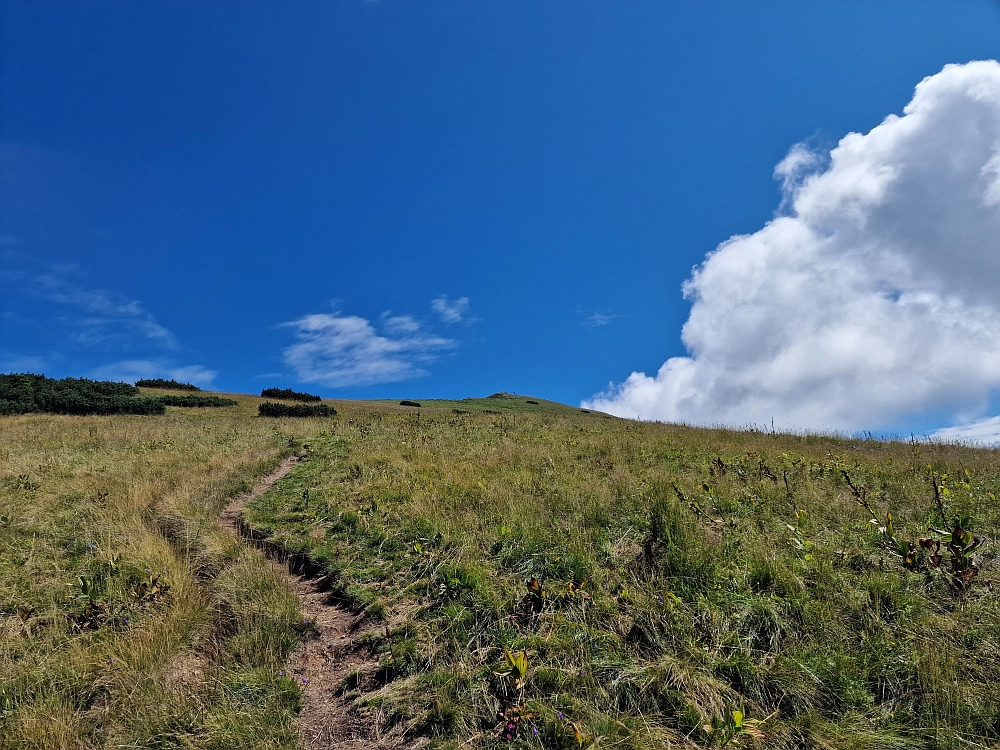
(323,661)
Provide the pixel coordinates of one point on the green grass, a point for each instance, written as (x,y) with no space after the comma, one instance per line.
(657,578)
(667,586)
(127,617)
(498,403)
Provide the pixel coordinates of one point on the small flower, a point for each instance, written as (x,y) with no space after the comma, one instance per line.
(559,714)
(281,674)
(304,680)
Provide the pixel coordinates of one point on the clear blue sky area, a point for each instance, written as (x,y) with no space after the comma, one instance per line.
(180,179)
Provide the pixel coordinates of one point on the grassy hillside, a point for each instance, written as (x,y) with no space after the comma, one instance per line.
(540,577)
(127,619)
(560,579)
(498,403)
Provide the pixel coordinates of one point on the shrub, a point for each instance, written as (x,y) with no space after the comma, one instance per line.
(267,409)
(161,383)
(24,393)
(195,401)
(404,402)
(288,394)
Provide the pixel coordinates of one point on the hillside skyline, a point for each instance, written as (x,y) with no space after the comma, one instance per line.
(372,200)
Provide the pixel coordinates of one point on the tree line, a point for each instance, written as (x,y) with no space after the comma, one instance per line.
(23,393)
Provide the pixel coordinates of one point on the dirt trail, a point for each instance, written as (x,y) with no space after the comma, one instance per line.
(323,661)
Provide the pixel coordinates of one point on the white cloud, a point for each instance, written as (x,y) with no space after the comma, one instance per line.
(454,311)
(342,350)
(10,362)
(138,369)
(399,324)
(600,319)
(59,315)
(981,432)
(106,318)
(94,317)
(871,298)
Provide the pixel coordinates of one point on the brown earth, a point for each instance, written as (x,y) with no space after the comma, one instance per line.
(328,659)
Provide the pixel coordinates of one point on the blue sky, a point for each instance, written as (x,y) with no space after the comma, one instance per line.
(420,199)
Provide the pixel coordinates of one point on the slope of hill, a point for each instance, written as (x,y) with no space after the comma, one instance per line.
(498,403)
(525,575)
(551,579)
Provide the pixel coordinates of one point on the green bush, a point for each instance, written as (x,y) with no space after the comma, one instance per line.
(24,393)
(267,409)
(195,401)
(288,394)
(161,383)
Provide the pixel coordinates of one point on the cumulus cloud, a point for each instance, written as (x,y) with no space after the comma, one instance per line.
(870,297)
(451,311)
(980,432)
(343,350)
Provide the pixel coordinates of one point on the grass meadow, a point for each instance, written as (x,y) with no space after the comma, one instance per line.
(532,576)
(560,579)
(127,618)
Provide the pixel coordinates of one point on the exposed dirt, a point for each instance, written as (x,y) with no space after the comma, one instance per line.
(327,661)
(231,518)
(186,673)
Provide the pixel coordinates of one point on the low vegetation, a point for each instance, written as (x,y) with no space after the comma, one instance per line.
(268,409)
(166,384)
(288,395)
(563,580)
(27,394)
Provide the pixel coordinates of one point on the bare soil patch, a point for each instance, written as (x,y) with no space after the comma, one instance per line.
(325,661)
(186,672)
